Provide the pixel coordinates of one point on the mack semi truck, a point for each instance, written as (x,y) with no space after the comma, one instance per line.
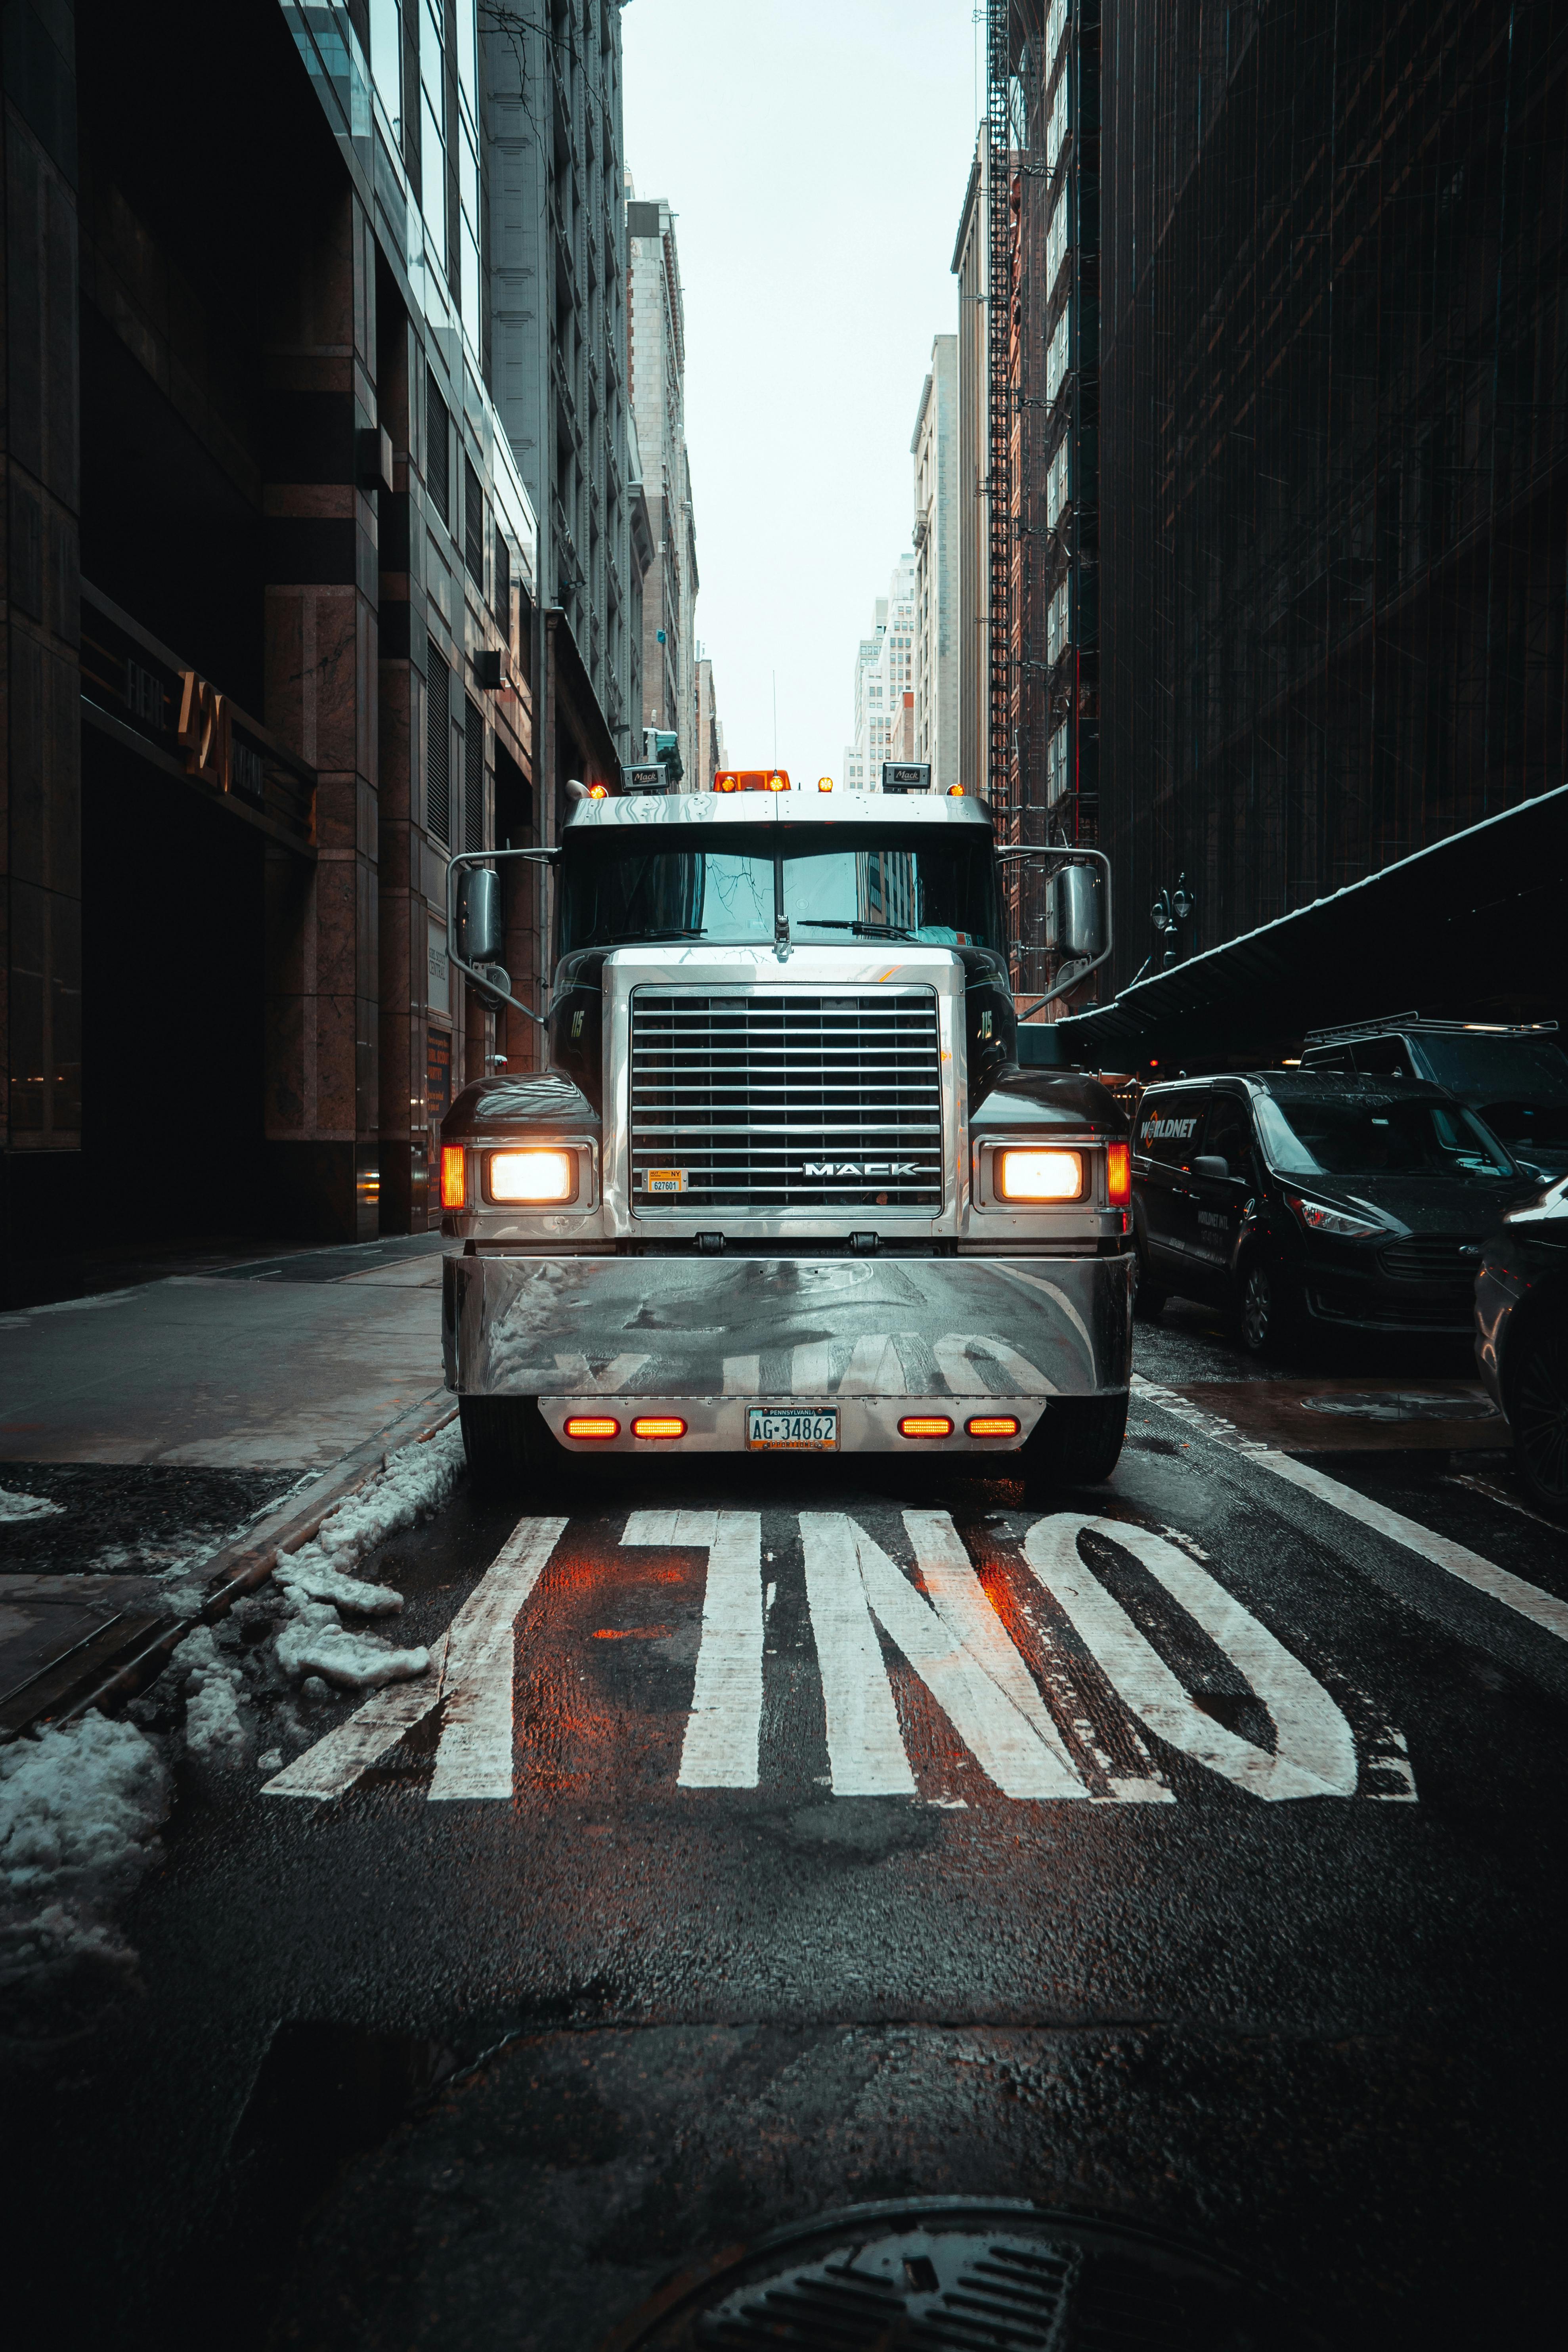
(782,1184)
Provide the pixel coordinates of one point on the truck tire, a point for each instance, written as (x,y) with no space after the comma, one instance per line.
(1078,1443)
(508,1446)
(1538,1409)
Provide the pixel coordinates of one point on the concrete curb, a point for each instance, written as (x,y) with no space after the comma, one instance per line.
(108,1680)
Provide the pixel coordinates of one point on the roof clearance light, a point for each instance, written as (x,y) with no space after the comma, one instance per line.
(992,1425)
(659,1424)
(531,1176)
(925,1424)
(1118,1174)
(956,791)
(1039,1175)
(598,792)
(724,784)
(825,783)
(454,1176)
(592,1424)
(778,783)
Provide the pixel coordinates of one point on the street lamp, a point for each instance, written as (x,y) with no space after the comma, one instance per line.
(1171,911)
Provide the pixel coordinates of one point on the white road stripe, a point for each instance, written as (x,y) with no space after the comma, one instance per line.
(811,1369)
(865,1747)
(1315,1756)
(474,1757)
(742,1375)
(332,1766)
(1542,1608)
(724,1730)
(948,1575)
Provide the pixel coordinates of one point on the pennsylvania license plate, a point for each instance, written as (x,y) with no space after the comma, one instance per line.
(812,1433)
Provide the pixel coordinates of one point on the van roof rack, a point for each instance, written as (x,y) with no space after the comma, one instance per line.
(1349,1029)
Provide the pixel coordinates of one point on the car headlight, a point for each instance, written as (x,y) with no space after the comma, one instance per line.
(1319,1219)
(532,1176)
(1034,1175)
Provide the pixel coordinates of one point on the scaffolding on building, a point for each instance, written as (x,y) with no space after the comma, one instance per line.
(1043,156)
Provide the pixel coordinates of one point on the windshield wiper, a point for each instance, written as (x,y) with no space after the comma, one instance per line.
(838,923)
(658,933)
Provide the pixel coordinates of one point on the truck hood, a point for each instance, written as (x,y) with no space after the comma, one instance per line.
(1422,1205)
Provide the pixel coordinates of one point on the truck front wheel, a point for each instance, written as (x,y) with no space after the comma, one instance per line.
(507,1445)
(1076,1442)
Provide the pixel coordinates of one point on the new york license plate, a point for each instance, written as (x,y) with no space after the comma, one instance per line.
(775,1432)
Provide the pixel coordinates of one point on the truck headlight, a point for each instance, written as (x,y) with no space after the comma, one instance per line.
(1039,1175)
(532,1176)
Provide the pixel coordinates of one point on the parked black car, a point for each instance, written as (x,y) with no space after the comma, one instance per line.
(1293,1198)
(1514,1077)
(1522,1340)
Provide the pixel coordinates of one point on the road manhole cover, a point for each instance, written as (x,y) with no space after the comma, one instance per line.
(1381,1405)
(964,2276)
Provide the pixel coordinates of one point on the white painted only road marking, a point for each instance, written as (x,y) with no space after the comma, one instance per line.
(725,1731)
(1542,1608)
(950,1636)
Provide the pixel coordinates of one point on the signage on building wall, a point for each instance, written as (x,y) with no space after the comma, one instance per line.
(437,1076)
(439,987)
(190,719)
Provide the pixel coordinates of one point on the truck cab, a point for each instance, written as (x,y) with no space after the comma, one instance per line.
(783,1183)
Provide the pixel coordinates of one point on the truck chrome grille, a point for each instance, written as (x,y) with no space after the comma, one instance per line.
(786,1101)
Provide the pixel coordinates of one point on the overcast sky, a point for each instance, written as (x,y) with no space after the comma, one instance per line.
(817,153)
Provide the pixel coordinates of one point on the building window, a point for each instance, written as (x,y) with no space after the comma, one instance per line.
(386,60)
(437,448)
(473,526)
(473,775)
(433,131)
(438,748)
(503,587)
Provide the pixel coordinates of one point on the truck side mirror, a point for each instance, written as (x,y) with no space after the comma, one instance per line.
(1211,1163)
(1076,906)
(480,939)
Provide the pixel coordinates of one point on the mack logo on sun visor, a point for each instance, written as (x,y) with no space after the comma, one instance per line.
(1158,1130)
(861,1168)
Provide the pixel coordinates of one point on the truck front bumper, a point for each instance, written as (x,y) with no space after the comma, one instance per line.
(881,1337)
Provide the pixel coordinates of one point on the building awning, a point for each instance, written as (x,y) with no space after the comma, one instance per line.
(1471,929)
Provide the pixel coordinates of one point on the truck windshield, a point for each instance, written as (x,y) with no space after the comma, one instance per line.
(1378,1135)
(1518,1085)
(936,889)
(616,891)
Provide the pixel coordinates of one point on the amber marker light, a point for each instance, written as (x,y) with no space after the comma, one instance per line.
(778,783)
(825,783)
(992,1425)
(598,792)
(925,1424)
(1039,1175)
(531,1176)
(1118,1174)
(723,783)
(592,1424)
(956,791)
(454,1176)
(659,1425)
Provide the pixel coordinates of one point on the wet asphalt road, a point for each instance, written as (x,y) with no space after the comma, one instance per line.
(408,2072)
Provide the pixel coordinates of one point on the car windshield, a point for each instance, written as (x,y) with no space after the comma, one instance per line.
(1373,1134)
(700,885)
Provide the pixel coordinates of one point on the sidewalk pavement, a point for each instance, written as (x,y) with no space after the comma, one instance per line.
(145,1433)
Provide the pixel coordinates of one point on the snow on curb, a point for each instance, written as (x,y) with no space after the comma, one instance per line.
(315,1644)
(79,1808)
(15,1506)
(316,1581)
(214,1728)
